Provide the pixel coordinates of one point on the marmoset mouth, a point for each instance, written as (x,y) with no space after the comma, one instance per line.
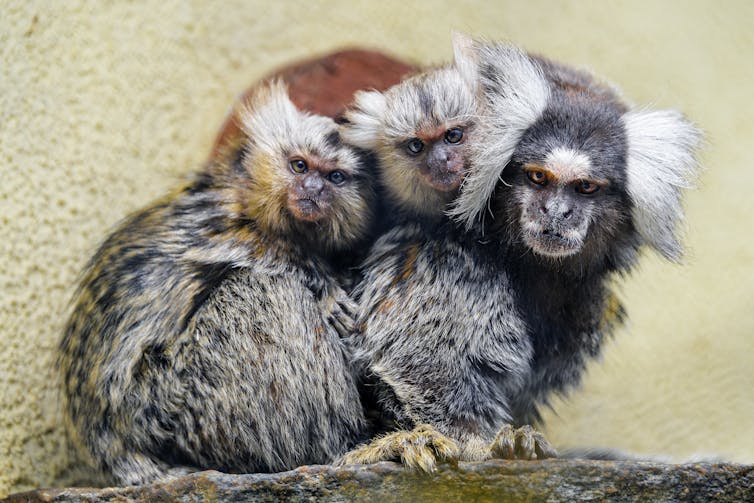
(308,210)
(445,182)
(552,243)
(553,234)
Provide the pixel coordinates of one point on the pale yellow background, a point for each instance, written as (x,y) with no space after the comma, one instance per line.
(105,107)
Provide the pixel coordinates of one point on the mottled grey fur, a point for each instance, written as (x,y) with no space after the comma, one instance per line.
(206,329)
(471,325)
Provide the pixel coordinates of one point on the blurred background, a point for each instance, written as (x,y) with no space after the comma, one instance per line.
(105,106)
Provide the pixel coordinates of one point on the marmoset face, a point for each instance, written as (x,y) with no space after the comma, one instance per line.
(567,180)
(299,176)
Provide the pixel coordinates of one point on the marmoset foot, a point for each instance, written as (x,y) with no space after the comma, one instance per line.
(521,443)
(419,449)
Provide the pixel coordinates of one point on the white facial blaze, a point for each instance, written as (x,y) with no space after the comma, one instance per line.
(568,165)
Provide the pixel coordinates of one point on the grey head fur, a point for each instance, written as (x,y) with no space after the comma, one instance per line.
(384,122)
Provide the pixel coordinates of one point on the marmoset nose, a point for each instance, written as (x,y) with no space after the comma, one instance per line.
(437,160)
(313,185)
(557,209)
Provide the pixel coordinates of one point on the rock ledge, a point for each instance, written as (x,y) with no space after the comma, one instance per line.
(551,480)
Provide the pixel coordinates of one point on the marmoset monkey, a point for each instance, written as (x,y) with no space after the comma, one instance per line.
(205,332)
(472,327)
(419,131)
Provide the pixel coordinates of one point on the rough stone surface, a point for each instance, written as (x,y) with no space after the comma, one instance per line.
(552,481)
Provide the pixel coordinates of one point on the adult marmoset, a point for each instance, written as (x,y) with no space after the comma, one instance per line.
(205,333)
(470,329)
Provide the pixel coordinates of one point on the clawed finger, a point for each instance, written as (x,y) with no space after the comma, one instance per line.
(504,445)
(522,443)
(344,327)
(543,448)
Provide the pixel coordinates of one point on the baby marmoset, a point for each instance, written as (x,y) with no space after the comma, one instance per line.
(471,327)
(205,329)
(419,131)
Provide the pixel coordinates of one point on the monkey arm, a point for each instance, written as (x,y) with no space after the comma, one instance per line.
(262,353)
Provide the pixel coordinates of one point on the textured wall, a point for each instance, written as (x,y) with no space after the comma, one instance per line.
(104,107)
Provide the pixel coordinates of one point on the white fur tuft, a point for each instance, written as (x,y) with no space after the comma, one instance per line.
(465,58)
(662,147)
(365,117)
(268,116)
(515,93)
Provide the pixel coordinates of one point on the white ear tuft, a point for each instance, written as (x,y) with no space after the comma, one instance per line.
(270,94)
(269,110)
(364,126)
(515,92)
(662,149)
(465,58)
